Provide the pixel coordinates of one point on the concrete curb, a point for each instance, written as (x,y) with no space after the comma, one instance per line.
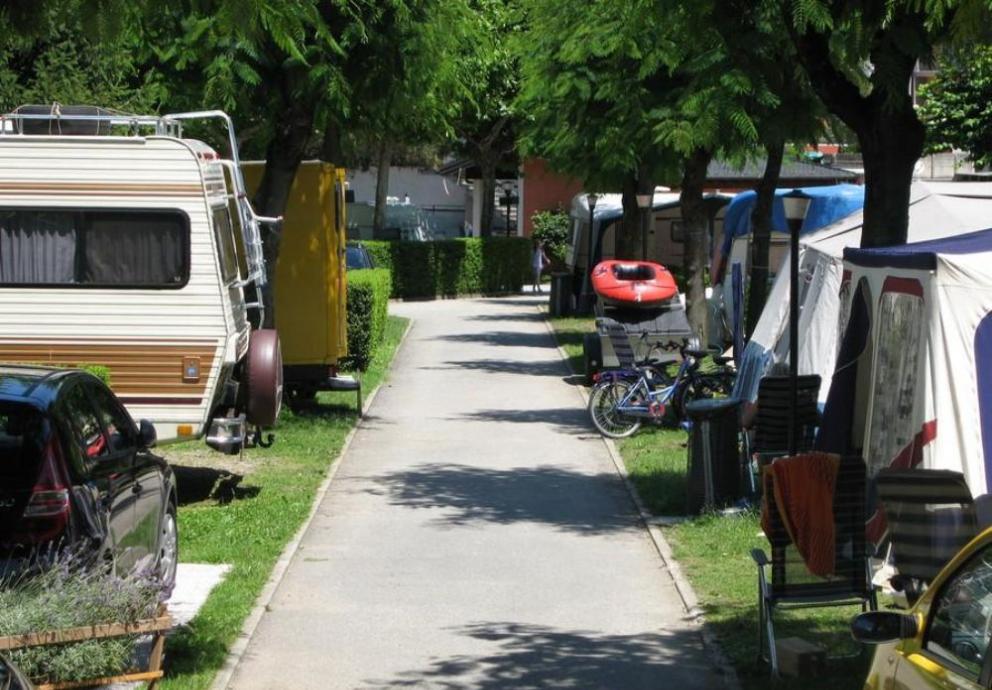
(237,650)
(690,601)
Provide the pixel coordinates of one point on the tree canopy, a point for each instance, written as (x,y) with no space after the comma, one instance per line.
(956,106)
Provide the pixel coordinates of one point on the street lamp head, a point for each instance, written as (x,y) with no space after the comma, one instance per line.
(592,198)
(796,205)
(644,200)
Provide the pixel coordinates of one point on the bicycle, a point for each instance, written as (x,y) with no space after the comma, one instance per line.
(622,399)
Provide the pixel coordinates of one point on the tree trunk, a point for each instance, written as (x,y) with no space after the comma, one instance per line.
(627,233)
(645,185)
(889,132)
(695,220)
(488,182)
(761,233)
(891,143)
(381,188)
(282,158)
(331,148)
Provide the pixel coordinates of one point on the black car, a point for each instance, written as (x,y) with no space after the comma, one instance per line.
(357,256)
(76,473)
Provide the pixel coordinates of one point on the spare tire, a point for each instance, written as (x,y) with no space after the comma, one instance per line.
(263,377)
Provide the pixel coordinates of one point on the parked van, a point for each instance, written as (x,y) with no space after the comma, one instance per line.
(118,247)
(311,286)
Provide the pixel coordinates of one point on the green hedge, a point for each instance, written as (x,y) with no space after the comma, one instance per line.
(368,303)
(447,268)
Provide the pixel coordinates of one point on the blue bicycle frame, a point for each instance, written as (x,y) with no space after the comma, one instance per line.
(652,401)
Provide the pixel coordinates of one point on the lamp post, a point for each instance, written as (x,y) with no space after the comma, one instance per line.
(644,202)
(591,199)
(507,201)
(796,205)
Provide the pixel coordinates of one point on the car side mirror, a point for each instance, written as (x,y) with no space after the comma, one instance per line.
(147,436)
(877,627)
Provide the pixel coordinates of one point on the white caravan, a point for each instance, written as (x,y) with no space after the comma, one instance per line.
(126,245)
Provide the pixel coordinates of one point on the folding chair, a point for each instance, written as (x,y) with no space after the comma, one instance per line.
(790,585)
(619,340)
(930,516)
(769,434)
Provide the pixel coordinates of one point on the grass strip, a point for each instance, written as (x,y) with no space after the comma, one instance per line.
(714,552)
(245,514)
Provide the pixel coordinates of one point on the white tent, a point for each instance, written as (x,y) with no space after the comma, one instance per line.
(913,386)
(937,210)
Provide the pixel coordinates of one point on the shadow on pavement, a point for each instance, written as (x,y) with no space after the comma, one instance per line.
(509,316)
(524,300)
(506,338)
(535,656)
(569,419)
(506,366)
(587,504)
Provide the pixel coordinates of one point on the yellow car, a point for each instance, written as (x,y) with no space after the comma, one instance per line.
(943,641)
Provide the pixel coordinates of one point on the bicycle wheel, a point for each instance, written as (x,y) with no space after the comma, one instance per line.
(603,403)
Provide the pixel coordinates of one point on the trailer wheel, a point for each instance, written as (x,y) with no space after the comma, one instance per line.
(592,355)
(263,374)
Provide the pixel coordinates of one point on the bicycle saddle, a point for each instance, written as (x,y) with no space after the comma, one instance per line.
(699,354)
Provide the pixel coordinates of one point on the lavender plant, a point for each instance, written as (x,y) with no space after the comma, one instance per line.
(67,593)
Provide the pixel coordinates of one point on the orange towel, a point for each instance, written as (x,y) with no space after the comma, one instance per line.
(803,486)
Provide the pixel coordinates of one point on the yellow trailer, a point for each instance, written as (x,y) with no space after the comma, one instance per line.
(311,280)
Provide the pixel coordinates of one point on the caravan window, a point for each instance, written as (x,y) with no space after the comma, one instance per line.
(898,348)
(224,231)
(93,248)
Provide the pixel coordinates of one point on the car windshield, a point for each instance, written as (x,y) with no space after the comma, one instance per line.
(21,434)
(356,258)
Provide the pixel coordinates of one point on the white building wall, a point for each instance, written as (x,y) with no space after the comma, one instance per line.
(425,188)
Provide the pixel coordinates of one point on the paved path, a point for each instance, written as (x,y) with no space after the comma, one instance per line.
(476,536)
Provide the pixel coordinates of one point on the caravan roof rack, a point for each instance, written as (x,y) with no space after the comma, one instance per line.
(94,121)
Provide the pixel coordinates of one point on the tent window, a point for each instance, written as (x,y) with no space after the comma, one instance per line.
(121,249)
(844,307)
(897,354)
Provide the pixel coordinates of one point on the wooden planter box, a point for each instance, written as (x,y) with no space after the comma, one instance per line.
(157,627)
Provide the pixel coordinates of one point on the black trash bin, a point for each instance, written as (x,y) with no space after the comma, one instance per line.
(714,459)
(561,294)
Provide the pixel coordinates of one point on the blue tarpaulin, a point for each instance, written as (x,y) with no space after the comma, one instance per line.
(828,204)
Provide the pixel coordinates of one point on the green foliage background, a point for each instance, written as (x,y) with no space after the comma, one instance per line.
(957,106)
(552,228)
(368,309)
(448,268)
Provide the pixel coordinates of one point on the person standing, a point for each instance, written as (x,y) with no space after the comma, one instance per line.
(539,261)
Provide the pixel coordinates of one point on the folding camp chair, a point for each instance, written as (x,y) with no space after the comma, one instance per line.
(619,340)
(769,434)
(930,516)
(791,585)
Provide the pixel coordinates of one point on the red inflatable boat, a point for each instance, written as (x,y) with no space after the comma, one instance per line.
(633,283)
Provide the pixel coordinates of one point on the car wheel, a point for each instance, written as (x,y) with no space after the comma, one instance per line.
(168,550)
